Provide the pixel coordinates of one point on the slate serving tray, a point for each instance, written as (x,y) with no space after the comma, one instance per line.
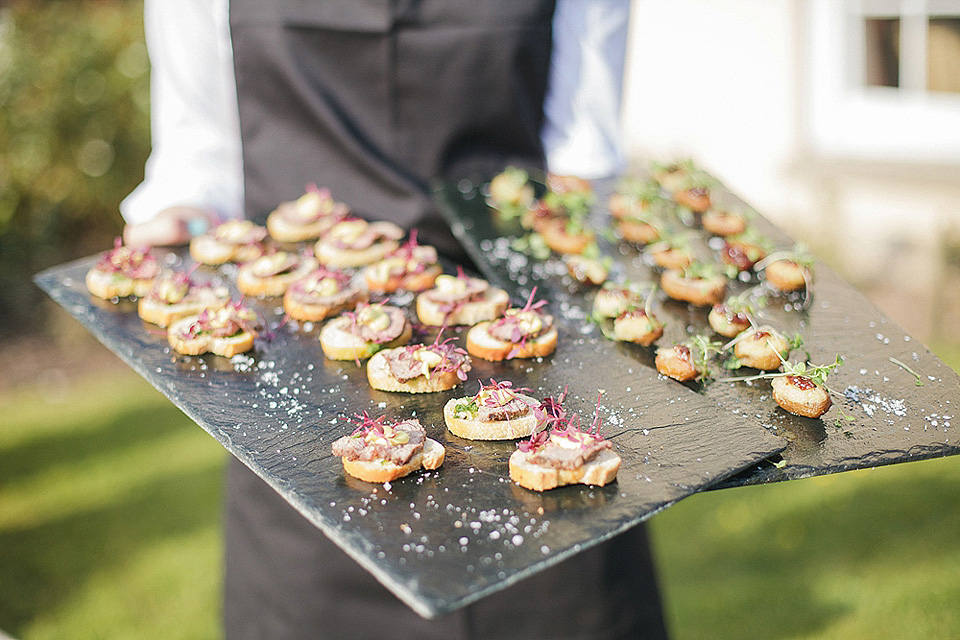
(442,539)
(896,401)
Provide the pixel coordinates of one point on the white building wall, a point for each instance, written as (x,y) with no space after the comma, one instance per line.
(714,80)
(728,83)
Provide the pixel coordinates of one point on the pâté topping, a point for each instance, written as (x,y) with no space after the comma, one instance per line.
(239,232)
(377,439)
(378,323)
(321,283)
(356,234)
(223,323)
(412,361)
(135,263)
(312,206)
(495,401)
(408,259)
(519,325)
(561,442)
(275,264)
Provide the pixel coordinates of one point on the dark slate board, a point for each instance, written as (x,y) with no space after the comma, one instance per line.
(442,539)
(887,416)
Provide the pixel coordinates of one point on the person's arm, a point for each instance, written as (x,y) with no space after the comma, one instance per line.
(194,174)
(581,135)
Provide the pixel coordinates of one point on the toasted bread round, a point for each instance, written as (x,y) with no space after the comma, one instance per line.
(787,275)
(250,284)
(674,362)
(696,291)
(602,469)
(338,257)
(283,230)
(473,429)
(482,345)
(637,327)
(672,258)
(697,200)
(339,344)
(492,305)
(207,249)
(726,324)
(624,206)
(226,347)
(586,270)
(557,238)
(637,231)
(430,457)
(723,223)
(307,312)
(115,285)
(379,377)
(160,313)
(407,282)
(800,396)
(760,348)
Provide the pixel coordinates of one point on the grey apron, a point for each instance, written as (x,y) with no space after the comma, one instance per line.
(375,99)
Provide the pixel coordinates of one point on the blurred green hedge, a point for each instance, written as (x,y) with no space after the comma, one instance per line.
(74,135)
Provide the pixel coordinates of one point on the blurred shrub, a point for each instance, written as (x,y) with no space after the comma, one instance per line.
(74,135)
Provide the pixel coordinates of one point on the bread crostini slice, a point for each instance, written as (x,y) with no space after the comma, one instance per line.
(306,218)
(460,300)
(231,241)
(272,274)
(562,453)
(526,332)
(496,412)
(378,451)
(224,332)
(123,271)
(358,334)
(699,284)
(412,267)
(419,368)
(322,293)
(354,242)
(175,296)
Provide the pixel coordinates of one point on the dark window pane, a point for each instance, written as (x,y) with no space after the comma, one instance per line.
(943,54)
(882,54)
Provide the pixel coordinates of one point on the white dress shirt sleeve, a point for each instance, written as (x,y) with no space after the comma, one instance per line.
(196,157)
(581,135)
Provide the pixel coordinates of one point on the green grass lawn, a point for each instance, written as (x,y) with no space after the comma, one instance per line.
(110,512)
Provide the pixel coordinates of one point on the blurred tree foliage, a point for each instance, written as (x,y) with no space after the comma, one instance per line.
(74,135)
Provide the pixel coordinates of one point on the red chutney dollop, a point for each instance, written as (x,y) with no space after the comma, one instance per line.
(801,382)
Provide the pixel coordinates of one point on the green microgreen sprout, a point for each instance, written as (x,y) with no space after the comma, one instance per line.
(703,349)
(919,379)
(519,195)
(680,241)
(531,244)
(698,270)
(816,373)
(747,302)
(638,189)
(798,254)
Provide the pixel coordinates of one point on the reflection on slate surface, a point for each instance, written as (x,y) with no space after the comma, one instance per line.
(442,539)
(884,415)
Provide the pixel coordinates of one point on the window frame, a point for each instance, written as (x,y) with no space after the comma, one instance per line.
(850,119)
